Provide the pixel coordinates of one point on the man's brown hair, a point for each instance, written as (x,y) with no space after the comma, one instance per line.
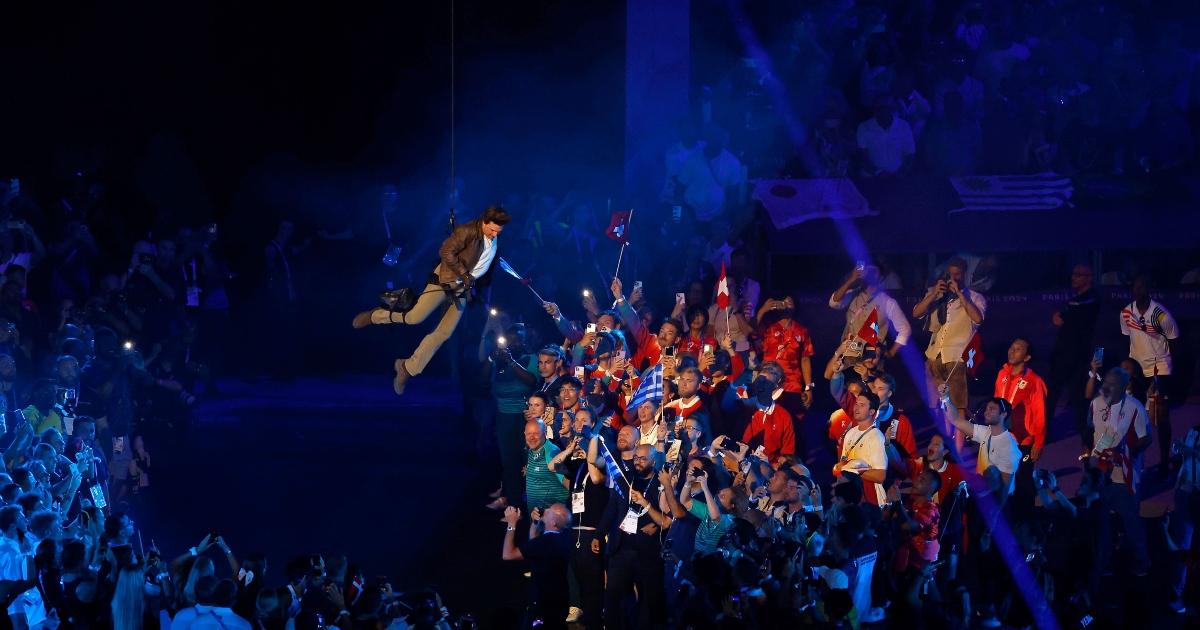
(497,215)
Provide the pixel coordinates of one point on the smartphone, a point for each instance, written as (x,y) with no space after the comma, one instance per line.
(579,372)
(590,328)
(708,348)
(16,225)
(860,265)
(1030,556)
(680,298)
(502,341)
(382,581)
(1099,355)
(620,355)
(669,351)
(315,559)
(586,293)
(213,536)
(637,285)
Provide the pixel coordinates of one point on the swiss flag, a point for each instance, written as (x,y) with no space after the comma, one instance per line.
(869,332)
(972,355)
(722,290)
(618,226)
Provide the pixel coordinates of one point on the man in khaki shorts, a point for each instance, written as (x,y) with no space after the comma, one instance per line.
(954,312)
(467,256)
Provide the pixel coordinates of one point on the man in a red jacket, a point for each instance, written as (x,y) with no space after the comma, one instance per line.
(771,425)
(1026,391)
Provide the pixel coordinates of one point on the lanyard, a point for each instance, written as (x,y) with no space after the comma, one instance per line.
(846,457)
(1010,397)
(859,312)
(575,484)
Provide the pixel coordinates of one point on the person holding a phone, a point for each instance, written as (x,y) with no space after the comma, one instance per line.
(650,348)
(788,344)
(512,374)
(859,296)
(954,313)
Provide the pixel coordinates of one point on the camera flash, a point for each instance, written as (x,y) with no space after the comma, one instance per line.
(585,293)
(493,312)
(129,345)
(502,340)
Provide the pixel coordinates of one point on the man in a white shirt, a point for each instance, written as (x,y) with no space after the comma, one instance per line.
(885,142)
(205,591)
(1115,415)
(864,449)
(15,565)
(859,296)
(706,174)
(997,446)
(744,293)
(1152,333)
(466,263)
(954,312)
(221,615)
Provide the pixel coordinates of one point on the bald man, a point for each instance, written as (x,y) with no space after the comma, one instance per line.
(1073,351)
(549,554)
(543,486)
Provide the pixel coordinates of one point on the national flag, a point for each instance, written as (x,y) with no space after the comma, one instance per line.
(972,355)
(611,470)
(650,389)
(1044,191)
(618,226)
(793,201)
(869,332)
(723,290)
(512,272)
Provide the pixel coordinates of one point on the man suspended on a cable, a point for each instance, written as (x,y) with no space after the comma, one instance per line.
(466,264)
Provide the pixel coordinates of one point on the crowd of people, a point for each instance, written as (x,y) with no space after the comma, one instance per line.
(661,465)
(953,89)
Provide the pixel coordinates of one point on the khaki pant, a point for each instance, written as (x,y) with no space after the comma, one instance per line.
(431,299)
(954,374)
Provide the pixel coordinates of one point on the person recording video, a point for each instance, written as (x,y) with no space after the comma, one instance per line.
(466,265)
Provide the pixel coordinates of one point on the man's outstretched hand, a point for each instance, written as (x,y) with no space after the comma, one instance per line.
(512,516)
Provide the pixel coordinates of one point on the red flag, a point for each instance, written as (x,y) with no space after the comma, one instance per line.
(972,355)
(869,332)
(618,226)
(722,290)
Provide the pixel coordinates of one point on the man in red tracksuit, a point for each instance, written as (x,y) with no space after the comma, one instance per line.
(1026,391)
(771,425)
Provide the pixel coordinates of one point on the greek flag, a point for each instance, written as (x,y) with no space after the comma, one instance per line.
(650,389)
(611,469)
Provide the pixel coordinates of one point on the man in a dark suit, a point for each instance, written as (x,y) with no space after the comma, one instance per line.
(467,256)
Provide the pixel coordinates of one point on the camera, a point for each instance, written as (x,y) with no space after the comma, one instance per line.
(146,259)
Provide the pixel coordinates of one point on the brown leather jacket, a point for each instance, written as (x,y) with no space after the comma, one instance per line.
(460,251)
